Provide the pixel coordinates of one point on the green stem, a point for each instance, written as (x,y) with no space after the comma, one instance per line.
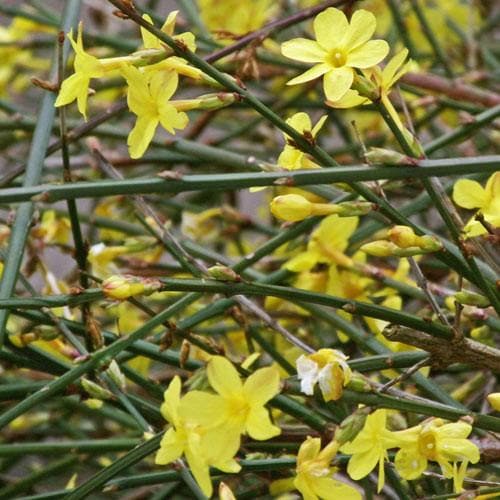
(223,182)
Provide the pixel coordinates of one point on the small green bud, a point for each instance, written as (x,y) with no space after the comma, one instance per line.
(358,383)
(353,208)
(116,375)
(95,390)
(350,427)
(223,273)
(471,299)
(387,157)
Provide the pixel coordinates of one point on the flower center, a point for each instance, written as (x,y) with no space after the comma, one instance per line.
(427,445)
(238,409)
(337,58)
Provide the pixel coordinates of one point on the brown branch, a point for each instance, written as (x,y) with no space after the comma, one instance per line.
(453,89)
(445,352)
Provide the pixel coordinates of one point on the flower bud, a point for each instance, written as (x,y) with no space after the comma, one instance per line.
(294,207)
(387,157)
(471,299)
(359,383)
(349,428)
(223,273)
(380,248)
(116,374)
(123,287)
(494,400)
(352,208)
(483,334)
(403,236)
(429,243)
(291,207)
(225,492)
(206,102)
(93,403)
(95,390)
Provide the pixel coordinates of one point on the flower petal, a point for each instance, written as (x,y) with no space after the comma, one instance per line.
(172,119)
(361,29)
(300,122)
(326,487)
(308,450)
(200,471)
(217,450)
(171,400)
(258,424)
(330,28)
(202,408)
(307,373)
(171,448)
(458,450)
(389,72)
(148,39)
(70,89)
(361,464)
(223,376)
(303,49)
(409,463)
(262,385)
(367,55)
(337,82)
(468,194)
(141,135)
(302,484)
(310,74)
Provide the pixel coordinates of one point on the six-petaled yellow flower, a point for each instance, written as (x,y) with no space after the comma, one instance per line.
(195,442)
(148,97)
(340,48)
(237,408)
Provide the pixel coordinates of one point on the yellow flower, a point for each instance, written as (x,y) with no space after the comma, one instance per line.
(53,229)
(340,47)
(327,367)
(314,474)
(439,442)
(370,447)
(292,158)
(470,194)
(384,79)
(186,437)
(233,17)
(77,85)
(327,244)
(494,400)
(237,408)
(148,97)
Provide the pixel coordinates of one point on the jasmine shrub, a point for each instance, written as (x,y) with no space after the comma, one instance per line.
(249,249)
